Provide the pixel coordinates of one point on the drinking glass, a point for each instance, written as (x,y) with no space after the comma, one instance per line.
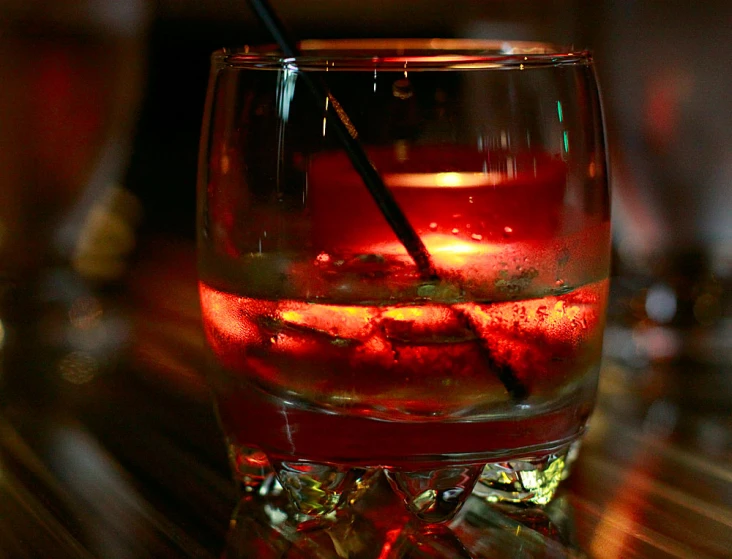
(337,362)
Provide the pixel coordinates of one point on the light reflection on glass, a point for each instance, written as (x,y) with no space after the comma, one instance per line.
(441,180)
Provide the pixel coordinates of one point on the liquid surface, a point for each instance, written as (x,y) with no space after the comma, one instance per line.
(355,382)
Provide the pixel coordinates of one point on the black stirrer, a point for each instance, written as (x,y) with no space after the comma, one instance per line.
(348,137)
(381,194)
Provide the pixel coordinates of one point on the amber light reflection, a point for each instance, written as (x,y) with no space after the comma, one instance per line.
(443,180)
(447,251)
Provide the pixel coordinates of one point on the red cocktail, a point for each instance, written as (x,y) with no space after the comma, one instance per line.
(335,357)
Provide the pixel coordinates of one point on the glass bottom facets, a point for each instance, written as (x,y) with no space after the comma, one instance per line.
(299,510)
(431,495)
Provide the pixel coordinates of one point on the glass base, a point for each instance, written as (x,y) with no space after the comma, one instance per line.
(532,481)
(297,510)
(302,509)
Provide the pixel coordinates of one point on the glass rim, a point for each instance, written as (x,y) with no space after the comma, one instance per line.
(400,54)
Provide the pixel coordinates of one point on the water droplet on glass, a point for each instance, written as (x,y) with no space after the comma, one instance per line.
(507,231)
(476,237)
(426,290)
(433,226)
(402,89)
(455,231)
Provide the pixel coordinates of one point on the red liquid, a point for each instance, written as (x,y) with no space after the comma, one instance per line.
(394,385)
(337,352)
(468,194)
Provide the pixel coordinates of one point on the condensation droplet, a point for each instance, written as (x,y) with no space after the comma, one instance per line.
(402,89)
(455,231)
(476,237)
(507,231)
(433,225)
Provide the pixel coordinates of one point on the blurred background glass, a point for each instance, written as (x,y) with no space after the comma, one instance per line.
(72,75)
(669,112)
(669,101)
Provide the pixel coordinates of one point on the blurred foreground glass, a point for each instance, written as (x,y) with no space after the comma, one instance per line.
(72,79)
(334,360)
(72,76)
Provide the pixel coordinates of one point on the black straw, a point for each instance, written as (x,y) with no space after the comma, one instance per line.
(276,28)
(348,136)
(381,194)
